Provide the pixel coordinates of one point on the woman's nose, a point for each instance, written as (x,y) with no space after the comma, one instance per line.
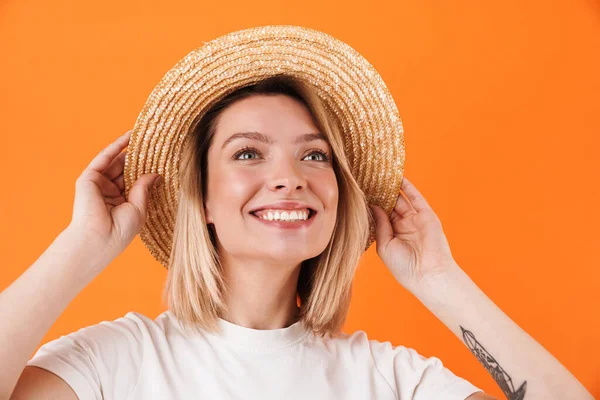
(287,177)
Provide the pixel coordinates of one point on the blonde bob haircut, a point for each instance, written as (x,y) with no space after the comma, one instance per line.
(195,289)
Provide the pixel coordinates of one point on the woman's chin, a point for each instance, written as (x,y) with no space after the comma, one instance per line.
(289,256)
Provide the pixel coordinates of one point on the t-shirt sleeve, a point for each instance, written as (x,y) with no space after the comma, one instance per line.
(415,377)
(101,361)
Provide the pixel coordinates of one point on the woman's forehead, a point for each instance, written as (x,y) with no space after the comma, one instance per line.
(269,119)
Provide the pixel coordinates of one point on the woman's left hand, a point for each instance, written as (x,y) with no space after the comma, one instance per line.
(411,242)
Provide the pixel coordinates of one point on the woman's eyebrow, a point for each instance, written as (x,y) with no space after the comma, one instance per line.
(261,137)
(309,137)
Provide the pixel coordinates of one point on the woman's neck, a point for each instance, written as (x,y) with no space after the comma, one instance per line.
(261,296)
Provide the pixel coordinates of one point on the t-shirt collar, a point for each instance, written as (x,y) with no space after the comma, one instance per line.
(262,339)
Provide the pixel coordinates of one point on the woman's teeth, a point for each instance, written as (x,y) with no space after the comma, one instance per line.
(281,215)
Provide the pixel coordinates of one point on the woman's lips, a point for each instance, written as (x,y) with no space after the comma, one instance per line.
(287,224)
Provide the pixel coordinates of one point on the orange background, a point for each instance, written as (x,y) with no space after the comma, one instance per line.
(501,114)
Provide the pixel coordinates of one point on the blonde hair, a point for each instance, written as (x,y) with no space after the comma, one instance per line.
(194,289)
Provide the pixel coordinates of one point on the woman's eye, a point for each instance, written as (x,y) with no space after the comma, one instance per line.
(246,153)
(321,156)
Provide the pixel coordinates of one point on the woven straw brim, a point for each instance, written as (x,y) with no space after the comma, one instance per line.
(349,86)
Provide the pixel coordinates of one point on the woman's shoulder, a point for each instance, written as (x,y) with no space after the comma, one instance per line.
(357,339)
(133,328)
(163,321)
(360,346)
(87,358)
(381,351)
(143,327)
(404,368)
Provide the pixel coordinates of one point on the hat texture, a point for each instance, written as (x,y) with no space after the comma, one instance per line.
(350,88)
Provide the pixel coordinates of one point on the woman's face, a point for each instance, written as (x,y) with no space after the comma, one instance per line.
(268,168)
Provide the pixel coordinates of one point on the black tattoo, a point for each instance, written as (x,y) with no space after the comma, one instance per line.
(491,365)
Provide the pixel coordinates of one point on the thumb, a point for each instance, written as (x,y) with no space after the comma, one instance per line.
(138,195)
(383,227)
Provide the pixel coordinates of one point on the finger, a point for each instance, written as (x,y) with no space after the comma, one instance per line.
(383,228)
(116,166)
(120,182)
(403,206)
(103,160)
(106,186)
(138,194)
(414,196)
(115,201)
(395,218)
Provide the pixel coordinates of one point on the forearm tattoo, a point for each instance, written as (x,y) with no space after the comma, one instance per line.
(491,365)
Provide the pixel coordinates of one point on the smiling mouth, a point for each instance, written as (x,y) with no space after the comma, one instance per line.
(286,216)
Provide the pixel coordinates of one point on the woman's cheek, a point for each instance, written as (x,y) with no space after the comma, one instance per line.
(326,188)
(240,181)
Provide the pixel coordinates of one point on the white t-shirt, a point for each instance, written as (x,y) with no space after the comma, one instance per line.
(135,357)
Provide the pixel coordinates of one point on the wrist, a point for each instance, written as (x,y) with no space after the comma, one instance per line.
(439,283)
(81,254)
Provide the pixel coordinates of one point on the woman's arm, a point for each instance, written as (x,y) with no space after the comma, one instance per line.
(31,304)
(412,244)
(520,366)
(103,225)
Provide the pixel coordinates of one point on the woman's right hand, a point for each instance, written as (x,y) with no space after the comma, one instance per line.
(102,217)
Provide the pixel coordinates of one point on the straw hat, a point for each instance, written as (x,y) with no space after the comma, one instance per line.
(349,86)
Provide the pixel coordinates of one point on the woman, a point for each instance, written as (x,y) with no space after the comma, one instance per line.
(270,226)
